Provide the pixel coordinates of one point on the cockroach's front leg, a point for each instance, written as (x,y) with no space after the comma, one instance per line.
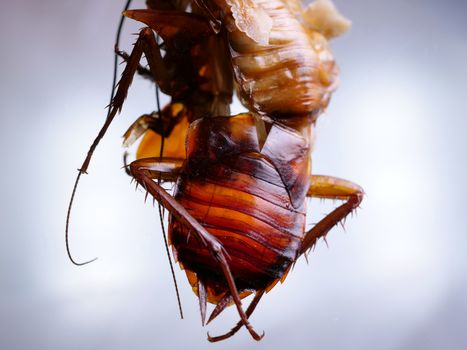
(143,171)
(142,71)
(329,187)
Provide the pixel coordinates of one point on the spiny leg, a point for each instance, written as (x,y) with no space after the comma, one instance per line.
(329,187)
(211,243)
(166,169)
(162,122)
(239,325)
(86,162)
(146,43)
(162,169)
(142,71)
(168,24)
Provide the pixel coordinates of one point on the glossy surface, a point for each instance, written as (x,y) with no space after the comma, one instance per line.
(174,144)
(294,73)
(234,189)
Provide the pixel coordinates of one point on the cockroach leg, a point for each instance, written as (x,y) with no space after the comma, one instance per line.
(146,44)
(210,242)
(167,169)
(239,325)
(85,165)
(329,187)
(142,71)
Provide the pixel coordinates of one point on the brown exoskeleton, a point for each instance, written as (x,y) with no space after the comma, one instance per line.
(238,212)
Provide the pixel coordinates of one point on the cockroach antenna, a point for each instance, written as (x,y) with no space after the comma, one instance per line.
(83,170)
(161,214)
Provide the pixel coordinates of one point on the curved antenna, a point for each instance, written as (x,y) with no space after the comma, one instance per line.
(84,167)
(161,152)
(67,243)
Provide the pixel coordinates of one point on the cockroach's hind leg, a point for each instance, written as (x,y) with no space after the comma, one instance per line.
(328,187)
(211,243)
(166,169)
(239,325)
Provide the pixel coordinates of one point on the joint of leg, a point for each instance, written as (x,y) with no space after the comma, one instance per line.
(216,248)
(217,251)
(145,32)
(356,199)
(134,169)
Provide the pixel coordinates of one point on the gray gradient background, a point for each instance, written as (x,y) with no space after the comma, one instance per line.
(397,279)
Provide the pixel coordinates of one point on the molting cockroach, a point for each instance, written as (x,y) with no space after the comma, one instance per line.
(238,211)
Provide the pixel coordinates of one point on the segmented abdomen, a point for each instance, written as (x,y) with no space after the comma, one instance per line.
(243,203)
(294,74)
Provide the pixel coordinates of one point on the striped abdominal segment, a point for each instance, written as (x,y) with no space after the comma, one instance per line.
(251,217)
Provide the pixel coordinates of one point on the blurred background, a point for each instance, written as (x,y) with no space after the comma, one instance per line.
(395,279)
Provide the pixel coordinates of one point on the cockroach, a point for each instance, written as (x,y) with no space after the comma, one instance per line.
(238,211)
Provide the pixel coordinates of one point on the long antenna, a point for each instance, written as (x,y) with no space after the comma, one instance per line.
(84,167)
(161,153)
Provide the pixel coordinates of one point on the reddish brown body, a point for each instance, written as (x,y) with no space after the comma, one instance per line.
(238,213)
(236,191)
